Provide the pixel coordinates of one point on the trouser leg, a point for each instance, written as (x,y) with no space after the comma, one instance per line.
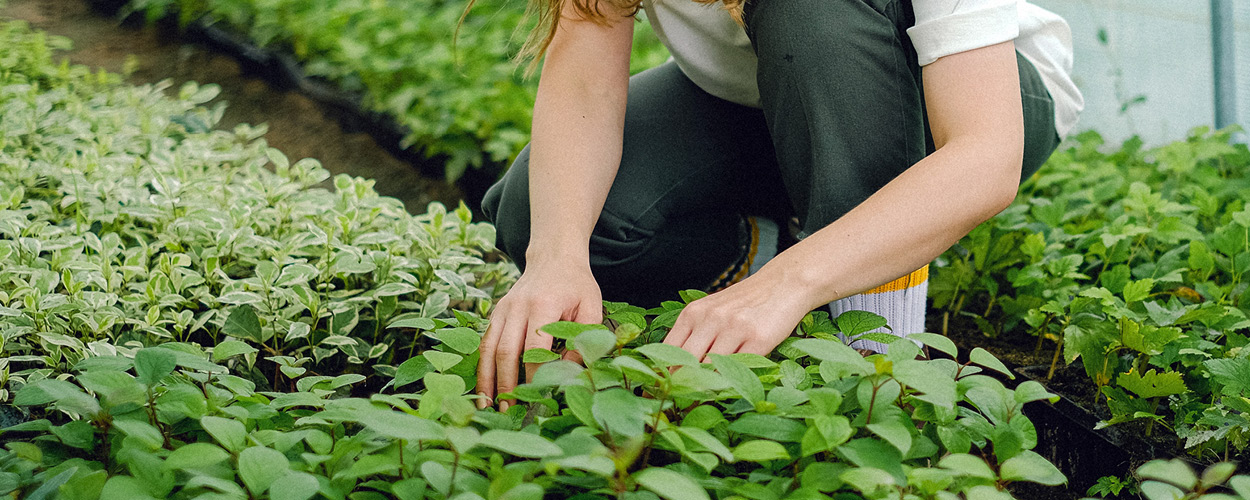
(692,165)
(842,96)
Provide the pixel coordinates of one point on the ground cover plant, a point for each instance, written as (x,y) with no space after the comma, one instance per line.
(471,105)
(187,314)
(1134,264)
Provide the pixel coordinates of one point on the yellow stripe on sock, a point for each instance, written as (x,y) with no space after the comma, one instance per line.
(914,279)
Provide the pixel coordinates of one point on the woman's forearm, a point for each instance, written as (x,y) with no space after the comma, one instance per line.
(974,108)
(579,115)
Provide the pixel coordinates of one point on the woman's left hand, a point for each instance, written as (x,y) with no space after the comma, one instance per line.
(754,315)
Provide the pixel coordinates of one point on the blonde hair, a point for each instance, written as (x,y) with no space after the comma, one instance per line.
(547,14)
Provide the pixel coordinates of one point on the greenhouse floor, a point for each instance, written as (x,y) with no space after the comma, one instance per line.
(297,125)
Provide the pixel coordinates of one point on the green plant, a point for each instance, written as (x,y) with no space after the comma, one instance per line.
(470,106)
(187,323)
(1112,486)
(641,419)
(1133,262)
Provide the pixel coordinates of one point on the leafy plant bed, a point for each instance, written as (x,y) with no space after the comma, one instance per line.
(184,314)
(1125,272)
(459,110)
(283,71)
(1065,430)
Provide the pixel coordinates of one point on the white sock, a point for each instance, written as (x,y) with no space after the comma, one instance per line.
(901,302)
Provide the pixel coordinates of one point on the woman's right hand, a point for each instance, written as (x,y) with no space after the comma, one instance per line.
(546,293)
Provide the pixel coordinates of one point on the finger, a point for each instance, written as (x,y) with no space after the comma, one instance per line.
(756,346)
(508,357)
(574,356)
(680,331)
(589,312)
(537,339)
(723,345)
(699,342)
(486,361)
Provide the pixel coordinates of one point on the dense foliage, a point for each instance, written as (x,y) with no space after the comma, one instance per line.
(185,314)
(470,104)
(1135,263)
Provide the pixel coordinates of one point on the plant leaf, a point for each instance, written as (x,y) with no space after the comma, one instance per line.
(670,485)
(521,444)
(1029,466)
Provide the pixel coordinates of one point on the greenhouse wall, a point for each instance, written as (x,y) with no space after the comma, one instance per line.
(1151,73)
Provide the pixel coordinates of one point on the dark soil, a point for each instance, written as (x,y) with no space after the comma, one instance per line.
(297,125)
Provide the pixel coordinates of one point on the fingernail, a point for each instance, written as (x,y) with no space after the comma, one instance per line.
(482,401)
(503,406)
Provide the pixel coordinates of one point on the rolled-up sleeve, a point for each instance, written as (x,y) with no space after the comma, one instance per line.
(945,27)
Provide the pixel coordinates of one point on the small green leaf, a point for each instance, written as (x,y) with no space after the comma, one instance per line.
(1152,384)
(568,330)
(230,348)
(894,433)
(760,450)
(412,370)
(1174,471)
(852,323)
(619,411)
(196,455)
(243,323)
(667,355)
(400,425)
(868,480)
(939,342)
(1029,466)
(670,485)
(835,352)
(982,357)
(259,467)
(230,433)
(967,465)
(539,355)
(769,427)
(1138,290)
(294,486)
(442,361)
(594,344)
(740,377)
(1030,391)
(125,488)
(152,365)
(460,339)
(521,444)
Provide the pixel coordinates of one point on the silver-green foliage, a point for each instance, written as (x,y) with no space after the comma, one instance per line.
(126,219)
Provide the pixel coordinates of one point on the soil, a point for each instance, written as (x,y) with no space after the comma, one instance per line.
(297,125)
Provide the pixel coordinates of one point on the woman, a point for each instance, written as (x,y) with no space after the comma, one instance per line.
(888,128)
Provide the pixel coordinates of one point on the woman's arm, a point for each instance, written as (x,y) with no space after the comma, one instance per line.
(973,102)
(579,116)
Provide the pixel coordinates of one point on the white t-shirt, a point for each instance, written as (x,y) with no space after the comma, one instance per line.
(716,54)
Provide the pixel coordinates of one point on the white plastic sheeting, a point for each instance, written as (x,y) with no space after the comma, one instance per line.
(1156,61)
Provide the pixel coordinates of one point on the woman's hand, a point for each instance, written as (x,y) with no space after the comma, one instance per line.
(754,316)
(545,294)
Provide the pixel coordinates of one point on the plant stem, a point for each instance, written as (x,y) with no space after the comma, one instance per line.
(1055,359)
